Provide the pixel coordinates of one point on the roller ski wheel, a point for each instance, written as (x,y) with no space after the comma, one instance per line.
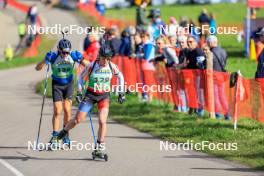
(99,155)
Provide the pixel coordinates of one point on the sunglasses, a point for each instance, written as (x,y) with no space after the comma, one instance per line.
(106,58)
(190,41)
(65,53)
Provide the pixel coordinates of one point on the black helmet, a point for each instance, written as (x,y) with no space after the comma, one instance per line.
(64,45)
(154,13)
(106,49)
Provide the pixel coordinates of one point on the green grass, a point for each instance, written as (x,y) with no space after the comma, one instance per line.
(161,122)
(45,45)
(226,13)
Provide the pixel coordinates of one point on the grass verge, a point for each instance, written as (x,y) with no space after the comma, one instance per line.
(226,13)
(45,45)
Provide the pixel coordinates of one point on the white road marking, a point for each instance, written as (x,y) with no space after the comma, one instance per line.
(11,168)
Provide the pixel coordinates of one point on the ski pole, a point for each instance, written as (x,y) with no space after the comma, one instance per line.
(94,137)
(43,102)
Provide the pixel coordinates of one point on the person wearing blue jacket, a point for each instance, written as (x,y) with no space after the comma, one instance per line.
(148,55)
(260,68)
(125,47)
(62,65)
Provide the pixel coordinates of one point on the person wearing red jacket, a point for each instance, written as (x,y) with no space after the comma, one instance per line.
(91,51)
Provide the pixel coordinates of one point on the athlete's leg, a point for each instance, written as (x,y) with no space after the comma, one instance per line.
(84,108)
(103,107)
(57,95)
(73,122)
(103,113)
(57,110)
(67,106)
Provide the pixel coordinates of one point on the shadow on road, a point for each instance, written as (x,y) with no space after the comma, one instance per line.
(229,169)
(25,157)
(13,147)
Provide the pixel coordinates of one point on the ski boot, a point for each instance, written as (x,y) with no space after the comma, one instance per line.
(66,140)
(98,153)
(54,141)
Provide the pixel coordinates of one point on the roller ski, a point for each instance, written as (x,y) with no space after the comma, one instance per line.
(98,153)
(54,142)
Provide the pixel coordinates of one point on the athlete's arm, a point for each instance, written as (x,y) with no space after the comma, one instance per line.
(120,77)
(83,76)
(84,62)
(121,92)
(40,65)
(78,57)
(49,58)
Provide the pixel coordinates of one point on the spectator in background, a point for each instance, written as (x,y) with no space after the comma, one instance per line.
(141,16)
(195,56)
(193,30)
(172,27)
(138,45)
(219,63)
(212,24)
(155,28)
(173,43)
(182,40)
(86,41)
(183,106)
(167,53)
(148,68)
(112,36)
(8,53)
(204,21)
(32,15)
(22,34)
(260,69)
(204,18)
(209,80)
(125,47)
(196,60)
(183,26)
(183,21)
(132,32)
(91,52)
(100,7)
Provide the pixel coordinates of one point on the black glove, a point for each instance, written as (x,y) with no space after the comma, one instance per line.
(79,98)
(121,98)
